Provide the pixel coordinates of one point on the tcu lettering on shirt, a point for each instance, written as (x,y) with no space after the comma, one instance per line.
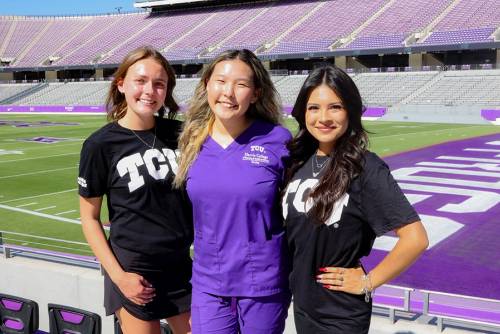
(257,155)
(257,148)
(301,189)
(129,165)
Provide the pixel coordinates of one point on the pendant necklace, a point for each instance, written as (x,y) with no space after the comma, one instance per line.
(317,166)
(145,143)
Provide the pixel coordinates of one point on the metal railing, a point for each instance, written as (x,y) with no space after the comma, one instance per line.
(461,309)
(21,244)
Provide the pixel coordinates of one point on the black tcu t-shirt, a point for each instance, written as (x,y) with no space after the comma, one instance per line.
(373,205)
(148,217)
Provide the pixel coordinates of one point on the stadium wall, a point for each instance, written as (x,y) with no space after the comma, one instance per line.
(435,114)
(49,282)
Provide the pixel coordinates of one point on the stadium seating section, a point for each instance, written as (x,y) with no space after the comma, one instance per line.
(291,27)
(467,87)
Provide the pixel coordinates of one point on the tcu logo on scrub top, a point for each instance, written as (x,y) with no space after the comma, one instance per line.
(129,165)
(257,148)
(300,189)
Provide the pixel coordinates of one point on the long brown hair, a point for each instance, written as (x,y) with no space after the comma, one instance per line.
(346,161)
(116,105)
(200,118)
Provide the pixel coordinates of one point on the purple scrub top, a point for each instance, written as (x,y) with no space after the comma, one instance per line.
(239,245)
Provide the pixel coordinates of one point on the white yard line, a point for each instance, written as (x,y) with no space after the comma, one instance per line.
(44,215)
(64,212)
(36,196)
(42,157)
(46,208)
(39,172)
(27,204)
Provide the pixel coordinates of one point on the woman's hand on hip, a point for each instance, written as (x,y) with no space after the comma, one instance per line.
(348,280)
(136,288)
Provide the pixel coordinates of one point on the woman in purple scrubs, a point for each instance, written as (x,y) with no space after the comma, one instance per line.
(232,163)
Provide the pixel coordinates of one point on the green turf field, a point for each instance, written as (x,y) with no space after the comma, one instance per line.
(38,189)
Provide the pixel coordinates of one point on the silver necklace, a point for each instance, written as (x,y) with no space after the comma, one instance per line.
(145,143)
(317,166)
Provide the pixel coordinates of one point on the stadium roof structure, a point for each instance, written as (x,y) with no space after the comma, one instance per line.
(274,30)
(154,3)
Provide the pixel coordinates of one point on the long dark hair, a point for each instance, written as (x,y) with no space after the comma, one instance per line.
(116,104)
(346,161)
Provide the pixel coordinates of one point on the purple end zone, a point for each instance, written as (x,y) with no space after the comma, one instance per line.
(71,317)
(455,188)
(12,305)
(490,114)
(13,324)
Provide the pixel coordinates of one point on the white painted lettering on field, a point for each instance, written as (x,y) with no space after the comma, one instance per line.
(408,174)
(484,166)
(461,171)
(456,158)
(438,229)
(476,200)
(492,150)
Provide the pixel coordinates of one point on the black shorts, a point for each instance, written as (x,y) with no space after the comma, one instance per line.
(170,276)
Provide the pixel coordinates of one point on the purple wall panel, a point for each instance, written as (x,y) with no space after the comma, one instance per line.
(490,114)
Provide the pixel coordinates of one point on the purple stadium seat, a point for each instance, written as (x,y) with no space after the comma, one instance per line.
(69,320)
(460,36)
(18,315)
(471,14)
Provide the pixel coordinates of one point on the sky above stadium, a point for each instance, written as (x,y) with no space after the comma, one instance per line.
(64,7)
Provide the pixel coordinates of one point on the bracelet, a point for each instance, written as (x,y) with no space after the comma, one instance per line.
(367,289)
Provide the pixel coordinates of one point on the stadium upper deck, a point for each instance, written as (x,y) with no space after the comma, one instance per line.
(271,29)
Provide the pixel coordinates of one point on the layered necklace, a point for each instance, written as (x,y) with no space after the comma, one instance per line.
(145,143)
(318,166)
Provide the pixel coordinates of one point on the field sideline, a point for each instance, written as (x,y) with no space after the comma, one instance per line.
(38,193)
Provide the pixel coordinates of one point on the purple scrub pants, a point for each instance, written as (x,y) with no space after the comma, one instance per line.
(231,315)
